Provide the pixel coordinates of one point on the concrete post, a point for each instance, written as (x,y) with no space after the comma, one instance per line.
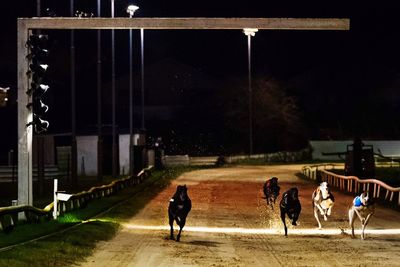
(25,195)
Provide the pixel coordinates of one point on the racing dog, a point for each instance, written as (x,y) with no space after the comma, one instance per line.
(271,191)
(290,205)
(364,208)
(322,200)
(178,209)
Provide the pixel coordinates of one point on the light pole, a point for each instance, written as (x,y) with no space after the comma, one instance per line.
(38,8)
(142,72)
(250,33)
(114,130)
(131,10)
(74,157)
(99,126)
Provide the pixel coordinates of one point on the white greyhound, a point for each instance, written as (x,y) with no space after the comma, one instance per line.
(323,200)
(364,208)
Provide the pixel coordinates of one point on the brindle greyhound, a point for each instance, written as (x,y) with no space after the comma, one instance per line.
(364,208)
(179,207)
(322,200)
(271,191)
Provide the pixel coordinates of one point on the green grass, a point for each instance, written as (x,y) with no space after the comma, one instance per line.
(73,245)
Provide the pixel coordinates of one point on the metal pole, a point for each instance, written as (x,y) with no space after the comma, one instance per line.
(25,194)
(74,157)
(250,96)
(249,32)
(142,72)
(38,8)
(99,95)
(131,144)
(55,205)
(114,132)
(39,139)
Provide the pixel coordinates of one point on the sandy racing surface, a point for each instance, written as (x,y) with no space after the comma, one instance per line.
(231,225)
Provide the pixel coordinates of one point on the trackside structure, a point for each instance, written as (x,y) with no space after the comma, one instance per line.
(26,25)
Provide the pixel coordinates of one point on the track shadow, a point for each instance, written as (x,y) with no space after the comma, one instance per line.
(204,243)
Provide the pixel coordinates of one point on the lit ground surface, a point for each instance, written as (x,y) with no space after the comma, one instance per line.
(230,225)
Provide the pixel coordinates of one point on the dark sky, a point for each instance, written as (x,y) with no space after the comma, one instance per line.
(329,71)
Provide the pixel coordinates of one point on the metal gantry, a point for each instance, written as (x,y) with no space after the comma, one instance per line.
(26,25)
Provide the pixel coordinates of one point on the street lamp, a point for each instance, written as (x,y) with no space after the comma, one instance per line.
(114,130)
(99,126)
(131,10)
(142,72)
(74,156)
(249,32)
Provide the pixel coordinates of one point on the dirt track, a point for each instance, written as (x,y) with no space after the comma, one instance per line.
(228,203)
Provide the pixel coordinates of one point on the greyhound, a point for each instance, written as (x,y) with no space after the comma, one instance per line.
(322,200)
(178,209)
(364,208)
(290,205)
(271,191)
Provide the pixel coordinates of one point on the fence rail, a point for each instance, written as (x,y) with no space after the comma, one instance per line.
(352,184)
(9,216)
(312,171)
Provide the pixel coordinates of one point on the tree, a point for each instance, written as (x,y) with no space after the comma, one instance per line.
(277,120)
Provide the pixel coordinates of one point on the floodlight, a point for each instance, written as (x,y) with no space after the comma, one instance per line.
(131,10)
(250,31)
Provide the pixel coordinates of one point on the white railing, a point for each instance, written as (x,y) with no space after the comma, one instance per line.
(353,184)
(311,171)
(9,216)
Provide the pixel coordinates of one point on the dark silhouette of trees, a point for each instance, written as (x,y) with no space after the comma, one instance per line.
(277,121)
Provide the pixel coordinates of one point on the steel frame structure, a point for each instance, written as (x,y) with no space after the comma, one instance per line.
(27,25)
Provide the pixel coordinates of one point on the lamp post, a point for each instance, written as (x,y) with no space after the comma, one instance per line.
(74,157)
(142,72)
(250,33)
(38,8)
(131,10)
(114,130)
(99,126)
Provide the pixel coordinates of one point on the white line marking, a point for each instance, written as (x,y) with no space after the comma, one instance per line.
(262,231)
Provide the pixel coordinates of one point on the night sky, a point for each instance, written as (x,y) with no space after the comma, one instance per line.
(345,83)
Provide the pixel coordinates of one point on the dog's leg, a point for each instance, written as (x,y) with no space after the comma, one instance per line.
(329,210)
(271,202)
(362,219)
(317,218)
(283,220)
(181,225)
(365,225)
(171,224)
(321,210)
(351,221)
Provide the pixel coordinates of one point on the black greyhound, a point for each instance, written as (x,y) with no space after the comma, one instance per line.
(271,191)
(179,207)
(291,206)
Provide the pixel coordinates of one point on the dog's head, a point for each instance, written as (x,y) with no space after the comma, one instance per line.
(324,186)
(181,192)
(364,198)
(293,194)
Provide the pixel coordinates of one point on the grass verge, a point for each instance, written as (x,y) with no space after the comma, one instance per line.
(73,245)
